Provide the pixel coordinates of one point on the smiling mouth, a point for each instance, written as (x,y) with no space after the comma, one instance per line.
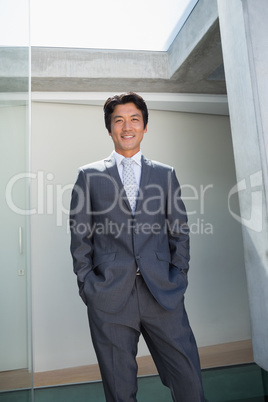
(127,136)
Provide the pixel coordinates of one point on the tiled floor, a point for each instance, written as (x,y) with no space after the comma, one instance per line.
(243,383)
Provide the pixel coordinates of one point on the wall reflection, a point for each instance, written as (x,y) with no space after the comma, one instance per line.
(15,319)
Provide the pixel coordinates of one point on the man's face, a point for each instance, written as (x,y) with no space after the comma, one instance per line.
(127,129)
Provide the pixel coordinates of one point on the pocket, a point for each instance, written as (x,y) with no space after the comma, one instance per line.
(173,270)
(163,256)
(103,258)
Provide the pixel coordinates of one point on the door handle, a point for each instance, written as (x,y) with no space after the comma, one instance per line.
(20,239)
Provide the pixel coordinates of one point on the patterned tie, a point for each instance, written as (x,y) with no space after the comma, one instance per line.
(129,181)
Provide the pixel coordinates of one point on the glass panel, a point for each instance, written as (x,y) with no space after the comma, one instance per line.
(15,333)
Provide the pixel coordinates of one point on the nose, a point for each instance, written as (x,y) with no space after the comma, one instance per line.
(127,125)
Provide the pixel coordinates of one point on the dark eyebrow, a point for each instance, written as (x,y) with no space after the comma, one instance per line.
(116,116)
(133,115)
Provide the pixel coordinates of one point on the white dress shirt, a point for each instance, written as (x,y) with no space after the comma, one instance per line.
(136,166)
(137,172)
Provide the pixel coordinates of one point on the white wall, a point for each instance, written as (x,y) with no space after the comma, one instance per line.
(65,137)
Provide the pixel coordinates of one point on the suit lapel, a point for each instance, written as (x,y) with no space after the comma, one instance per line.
(146,166)
(111,167)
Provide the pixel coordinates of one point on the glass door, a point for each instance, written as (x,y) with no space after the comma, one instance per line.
(15,306)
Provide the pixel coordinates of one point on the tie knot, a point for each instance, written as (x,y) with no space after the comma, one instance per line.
(127,162)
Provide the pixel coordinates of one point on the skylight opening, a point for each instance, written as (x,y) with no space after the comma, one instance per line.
(149,25)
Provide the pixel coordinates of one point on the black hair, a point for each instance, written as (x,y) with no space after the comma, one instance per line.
(127,97)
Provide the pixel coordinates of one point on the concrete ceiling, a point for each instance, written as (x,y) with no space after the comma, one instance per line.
(88,70)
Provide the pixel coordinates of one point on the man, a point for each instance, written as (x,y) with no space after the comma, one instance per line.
(130,247)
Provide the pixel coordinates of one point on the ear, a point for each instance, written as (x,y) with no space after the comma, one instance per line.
(145,130)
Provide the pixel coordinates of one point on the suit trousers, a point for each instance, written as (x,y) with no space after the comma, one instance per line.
(168,336)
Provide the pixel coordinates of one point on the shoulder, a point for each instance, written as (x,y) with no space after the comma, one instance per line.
(98,166)
(162,172)
(158,165)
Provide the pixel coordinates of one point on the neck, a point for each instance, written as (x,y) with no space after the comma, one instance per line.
(127,154)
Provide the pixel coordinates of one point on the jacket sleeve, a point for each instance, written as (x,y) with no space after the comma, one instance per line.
(81,230)
(177,226)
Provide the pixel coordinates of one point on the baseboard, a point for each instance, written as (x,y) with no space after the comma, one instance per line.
(210,356)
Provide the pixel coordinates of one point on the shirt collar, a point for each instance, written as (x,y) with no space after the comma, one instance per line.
(136,158)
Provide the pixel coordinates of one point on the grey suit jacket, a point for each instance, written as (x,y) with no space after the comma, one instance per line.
(108,243)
